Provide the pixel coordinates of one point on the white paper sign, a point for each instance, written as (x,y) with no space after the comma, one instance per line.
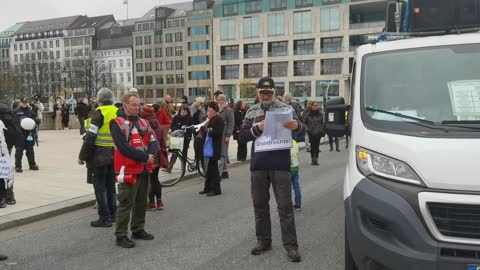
(275,136)
(5,167)
(465,97)
(331,117)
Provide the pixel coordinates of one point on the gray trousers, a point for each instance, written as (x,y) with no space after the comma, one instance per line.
(222,162)
(282,188)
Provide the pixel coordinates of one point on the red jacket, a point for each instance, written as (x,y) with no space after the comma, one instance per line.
(162,118)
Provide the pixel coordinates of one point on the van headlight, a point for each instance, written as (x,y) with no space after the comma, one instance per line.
(369,162)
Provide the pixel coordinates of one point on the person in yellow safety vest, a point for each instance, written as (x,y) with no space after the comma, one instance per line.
(97,151)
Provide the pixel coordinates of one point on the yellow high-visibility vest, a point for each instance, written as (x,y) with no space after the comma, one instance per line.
(104,137)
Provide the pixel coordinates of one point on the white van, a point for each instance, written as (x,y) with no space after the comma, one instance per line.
(412,182)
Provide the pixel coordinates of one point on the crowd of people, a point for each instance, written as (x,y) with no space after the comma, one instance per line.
(125,145)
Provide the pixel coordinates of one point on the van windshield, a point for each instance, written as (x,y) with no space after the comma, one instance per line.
(436,88)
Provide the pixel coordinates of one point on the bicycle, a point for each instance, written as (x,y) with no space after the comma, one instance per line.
(176,172)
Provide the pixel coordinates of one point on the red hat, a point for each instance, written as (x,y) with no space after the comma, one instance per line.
(147,111)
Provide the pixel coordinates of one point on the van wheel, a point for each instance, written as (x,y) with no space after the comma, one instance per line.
(349,262)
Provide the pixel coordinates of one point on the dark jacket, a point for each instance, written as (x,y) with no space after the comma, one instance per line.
(13,131)
(82,110)
(95,156)
(314,122)
(271,160)
(27,112)
(124,146)
(215,127)
(239,116)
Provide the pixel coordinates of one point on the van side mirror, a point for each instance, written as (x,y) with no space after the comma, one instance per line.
(334,117)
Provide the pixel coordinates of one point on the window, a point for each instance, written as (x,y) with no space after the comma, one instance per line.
(122,78)
(158,38)
(21,47)
(149,80)
(148,53)
(276,24)
(198,60)
(303,3)
(121,63)
(57,54)
(278,69)
(39,45)
(179,78)
(129,77)
(252,50)
(251,27)
(158,66)
(33,45)
(139,67)
(51,43)
(179,64)
(253,70)
(278,48)
(67,53)
(170,79)
(254,6)
(57,43)
(159,80)
(148,40)
(301,89)
(302,22)
(278,4)
(329,19)
(159,92)
(199,75)
(169,65)
(148,67)
(230,9)
(200,5)
(26,46)
(229,52)
(158,52)
(169,38)
(332,86)
(169,51)
(227,29)
(331,66)
(140,80)
(178,51)
(199,30)
(230,72)
(139,54)
(331,45)
(129,62)
(178,37)
(303,46)
(303,68)
(199,45)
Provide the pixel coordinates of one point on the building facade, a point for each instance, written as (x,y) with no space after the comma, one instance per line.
(6,37)
(306,46)
(159,59)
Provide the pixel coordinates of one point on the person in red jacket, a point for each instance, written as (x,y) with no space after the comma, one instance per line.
(148,114)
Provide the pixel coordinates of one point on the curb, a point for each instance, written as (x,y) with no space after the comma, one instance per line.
(52,210)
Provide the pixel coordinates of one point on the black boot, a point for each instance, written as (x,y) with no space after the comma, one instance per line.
(11,196)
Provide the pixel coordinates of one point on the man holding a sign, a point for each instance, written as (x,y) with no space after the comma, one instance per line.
(265,124)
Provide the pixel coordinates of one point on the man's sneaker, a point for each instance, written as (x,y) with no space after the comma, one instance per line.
(160,205)
(142,235)
(18,170)
(260,248)
(34,168)
(225,175)
(99,223)
(3,203)
(11,199)
(293,255)
(297,207)
(124,242)
(151,206)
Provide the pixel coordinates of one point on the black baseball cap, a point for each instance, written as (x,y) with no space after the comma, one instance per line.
(266,84)
(24,100)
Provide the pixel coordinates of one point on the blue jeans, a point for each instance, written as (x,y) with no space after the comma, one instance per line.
(296,188)
(104,186)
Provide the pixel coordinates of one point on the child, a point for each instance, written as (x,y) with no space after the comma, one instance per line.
(294,170)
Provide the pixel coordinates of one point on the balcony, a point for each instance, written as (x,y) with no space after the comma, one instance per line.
(363,25)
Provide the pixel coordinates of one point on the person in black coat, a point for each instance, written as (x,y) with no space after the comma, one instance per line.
(82,111)
(215,128)
(239,111)
(13,132)
(183,118)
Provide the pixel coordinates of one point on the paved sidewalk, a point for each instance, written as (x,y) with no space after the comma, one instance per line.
(60,184)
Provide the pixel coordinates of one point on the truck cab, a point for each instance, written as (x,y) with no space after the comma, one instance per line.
(412,185)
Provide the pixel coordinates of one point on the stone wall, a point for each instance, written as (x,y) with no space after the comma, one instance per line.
(48,123)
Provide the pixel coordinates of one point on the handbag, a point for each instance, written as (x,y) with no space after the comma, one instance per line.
(208,146)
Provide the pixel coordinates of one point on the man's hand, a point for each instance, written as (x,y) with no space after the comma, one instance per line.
(261,126)
(292,124)
(151,159)
(80,162)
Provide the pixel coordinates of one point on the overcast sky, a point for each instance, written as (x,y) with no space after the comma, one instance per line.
(13,11)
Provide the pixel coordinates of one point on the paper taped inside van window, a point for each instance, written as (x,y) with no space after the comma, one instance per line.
(465,97)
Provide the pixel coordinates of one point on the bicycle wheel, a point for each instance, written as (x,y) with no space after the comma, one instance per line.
(174,173)
(200,167)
